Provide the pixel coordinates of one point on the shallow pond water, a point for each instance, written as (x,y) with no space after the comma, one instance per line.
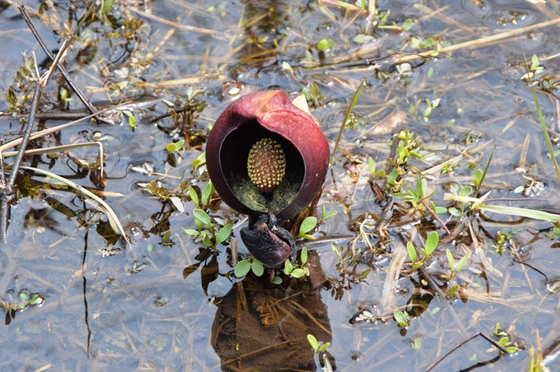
(77,296)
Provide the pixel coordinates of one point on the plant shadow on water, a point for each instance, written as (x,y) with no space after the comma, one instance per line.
(445,115)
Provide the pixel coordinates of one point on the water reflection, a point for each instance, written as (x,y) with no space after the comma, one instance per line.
(262,326)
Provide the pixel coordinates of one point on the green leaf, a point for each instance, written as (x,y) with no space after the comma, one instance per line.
(522,212)
(427,111)
(432,242)
(417,343)
(441,210)
(276,280)
(206,241)
(371,165)
(288,267)
(223,234)
(419,189)
(463,261)
(307,225)
(207,193)
(194,196)
(407,24)
(454,212)
(303,255)
(324,44)
(298,273)
(392,176)
(202,216)
(450,259)
(132,121)
(198,161)
(453,289)
(511,349)
(411,251)
(497,329)
(313,342)
(257,267)
(108,6)
(166,236)
(535,60)
(329,215)
(466,191)
(400,318)
(361,38)
(306,236)
(477,177)
(379,173)
(242,268)
(324,347)
(190,232)
(175,146)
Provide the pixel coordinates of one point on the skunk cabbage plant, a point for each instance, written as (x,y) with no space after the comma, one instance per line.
(266,156)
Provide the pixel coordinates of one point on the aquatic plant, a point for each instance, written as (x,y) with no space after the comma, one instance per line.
(265,154)
(267,158)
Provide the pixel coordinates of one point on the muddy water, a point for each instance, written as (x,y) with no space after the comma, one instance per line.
(170,304)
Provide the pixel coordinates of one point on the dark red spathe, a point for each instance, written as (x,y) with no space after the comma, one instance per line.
(260,115)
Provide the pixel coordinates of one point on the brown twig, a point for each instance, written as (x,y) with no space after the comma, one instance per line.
(61,68)
(435,216)
(7,194)
(462,343)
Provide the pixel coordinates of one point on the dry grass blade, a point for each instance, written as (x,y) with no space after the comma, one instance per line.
(48,131)
(478,43)
(216,34)
(62,148)
(113,219)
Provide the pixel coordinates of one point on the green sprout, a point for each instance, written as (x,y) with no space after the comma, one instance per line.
(315,344)
(324,44)
(416,196)
(402,318)
(208,232)
(295,271)
(313,95)
(375,173)
(204,201)
(200,160)
(431,245)
(306,226)
(455,268)
(431,106)
(324,214)
(251,264)
(501,242)
(504,340)
(416,343)
(175,146)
